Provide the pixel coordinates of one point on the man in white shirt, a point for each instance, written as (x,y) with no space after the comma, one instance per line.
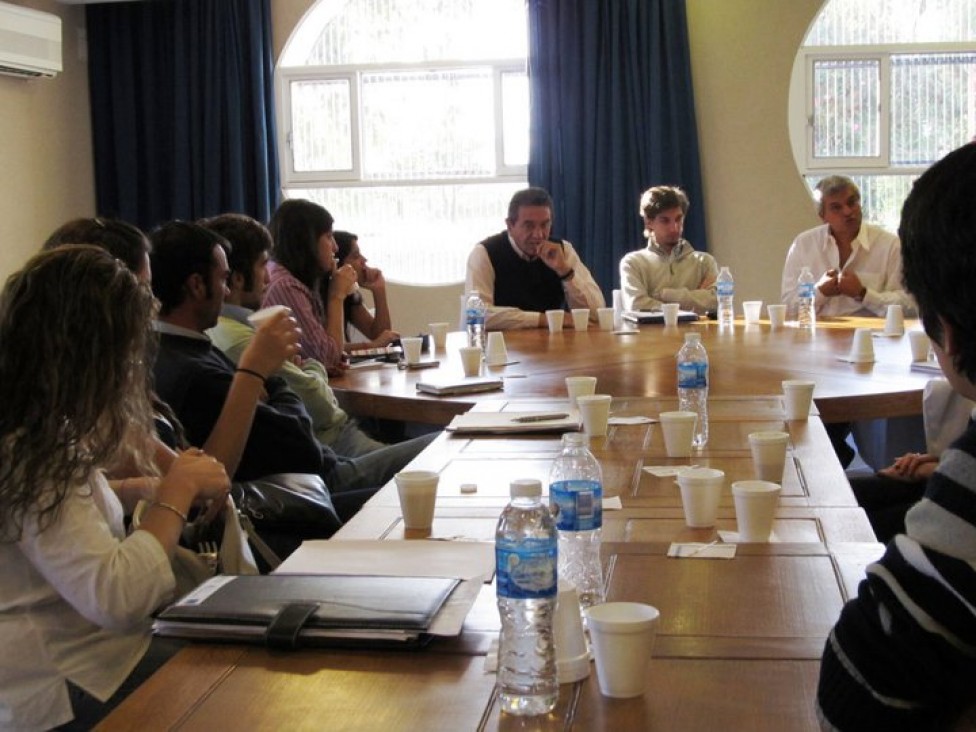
(857,265)
(520,273)
(668,269)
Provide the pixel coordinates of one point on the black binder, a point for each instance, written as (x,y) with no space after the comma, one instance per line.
(290,611)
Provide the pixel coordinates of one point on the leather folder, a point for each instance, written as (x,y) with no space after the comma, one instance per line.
(292,611)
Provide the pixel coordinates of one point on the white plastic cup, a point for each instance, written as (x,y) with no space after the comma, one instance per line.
(605,318)
(894,321)
(920,345)
(797,397)
(495,351)
(751,310)
(555,320)
(594,410)
(622,634)
(470,360)
(679,431)
(581,318)
(701,490)
(577,386)
(862,347)
(618,309)
(769,454)
(777,315)
(438,333)
(755,508)
(418,494)
(670,311)
(258,317)
(412,348)
(572,656)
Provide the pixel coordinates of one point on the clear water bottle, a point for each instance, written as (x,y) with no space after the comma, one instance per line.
(526,558)
(693,384)
(806,313)
(725,290)
(576,502)
(474,320)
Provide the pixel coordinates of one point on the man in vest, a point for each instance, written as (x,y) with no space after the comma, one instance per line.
(520,273)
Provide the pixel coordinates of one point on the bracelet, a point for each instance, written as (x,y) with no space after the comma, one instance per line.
(174,509)
(569,274)
(250,372)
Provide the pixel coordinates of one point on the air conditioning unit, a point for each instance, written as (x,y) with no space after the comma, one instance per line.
(30,42)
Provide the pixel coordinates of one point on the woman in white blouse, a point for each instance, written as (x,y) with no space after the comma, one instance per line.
(76,592)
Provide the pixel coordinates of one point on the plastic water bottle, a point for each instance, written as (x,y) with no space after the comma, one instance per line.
(693,384)
(806,313)
(725,290)
(526,559)
(474,320)
(576,502)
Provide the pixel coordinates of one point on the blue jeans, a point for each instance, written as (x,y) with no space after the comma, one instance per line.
(354,480)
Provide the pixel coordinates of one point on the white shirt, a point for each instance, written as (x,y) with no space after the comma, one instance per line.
(581,291)
(75,605)
(875,259)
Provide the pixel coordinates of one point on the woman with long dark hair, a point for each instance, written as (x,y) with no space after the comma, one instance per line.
(304,267)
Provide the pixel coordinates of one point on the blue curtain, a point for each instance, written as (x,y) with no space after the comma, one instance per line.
(612,113)
(182,109)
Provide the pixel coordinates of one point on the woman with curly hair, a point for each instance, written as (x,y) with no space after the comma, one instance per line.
(77,591)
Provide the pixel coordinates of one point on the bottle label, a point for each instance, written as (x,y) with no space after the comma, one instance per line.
(527,570)
(806,289)
(725,289)
(474,317)
(576,505)
(692,375)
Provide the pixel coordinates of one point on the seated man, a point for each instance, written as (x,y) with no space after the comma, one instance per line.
(902,655)
(250,244)
(668,269)
(190,271)
(520,273)
(857,265)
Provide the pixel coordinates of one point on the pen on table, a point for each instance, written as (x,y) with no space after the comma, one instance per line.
(540,417)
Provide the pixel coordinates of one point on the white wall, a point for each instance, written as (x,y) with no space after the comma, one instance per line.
(45,148)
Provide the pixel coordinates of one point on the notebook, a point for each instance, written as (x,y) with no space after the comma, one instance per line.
(296,610)
(513,422)
(644,317)
(460,386)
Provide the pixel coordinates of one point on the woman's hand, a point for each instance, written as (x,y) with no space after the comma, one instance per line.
(342,283)
(199,479)
(913,466)
(373,279)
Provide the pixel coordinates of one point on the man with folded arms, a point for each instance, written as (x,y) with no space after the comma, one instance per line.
(520,273)
(668,269)
(902,656)
(190,272)
(857,265)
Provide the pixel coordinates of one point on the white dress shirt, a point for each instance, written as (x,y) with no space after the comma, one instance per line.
(875,259)
(75,605)
(581,291)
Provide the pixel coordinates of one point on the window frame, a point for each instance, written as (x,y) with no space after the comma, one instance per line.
(353,74)
(883,53)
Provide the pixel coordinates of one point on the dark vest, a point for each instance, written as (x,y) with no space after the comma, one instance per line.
(524,285)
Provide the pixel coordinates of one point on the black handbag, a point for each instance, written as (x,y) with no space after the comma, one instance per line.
(284,509)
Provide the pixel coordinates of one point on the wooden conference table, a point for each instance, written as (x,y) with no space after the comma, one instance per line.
(748,360)
(738,645)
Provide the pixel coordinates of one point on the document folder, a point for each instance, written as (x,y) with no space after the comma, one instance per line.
(291,611)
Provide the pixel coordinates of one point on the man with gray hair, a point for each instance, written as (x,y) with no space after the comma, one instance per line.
(857,265)
(668,269)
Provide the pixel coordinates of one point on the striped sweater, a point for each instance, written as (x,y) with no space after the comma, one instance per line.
(903,653)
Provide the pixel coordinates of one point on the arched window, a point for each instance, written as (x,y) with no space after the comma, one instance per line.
(408,120)
(881,90)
